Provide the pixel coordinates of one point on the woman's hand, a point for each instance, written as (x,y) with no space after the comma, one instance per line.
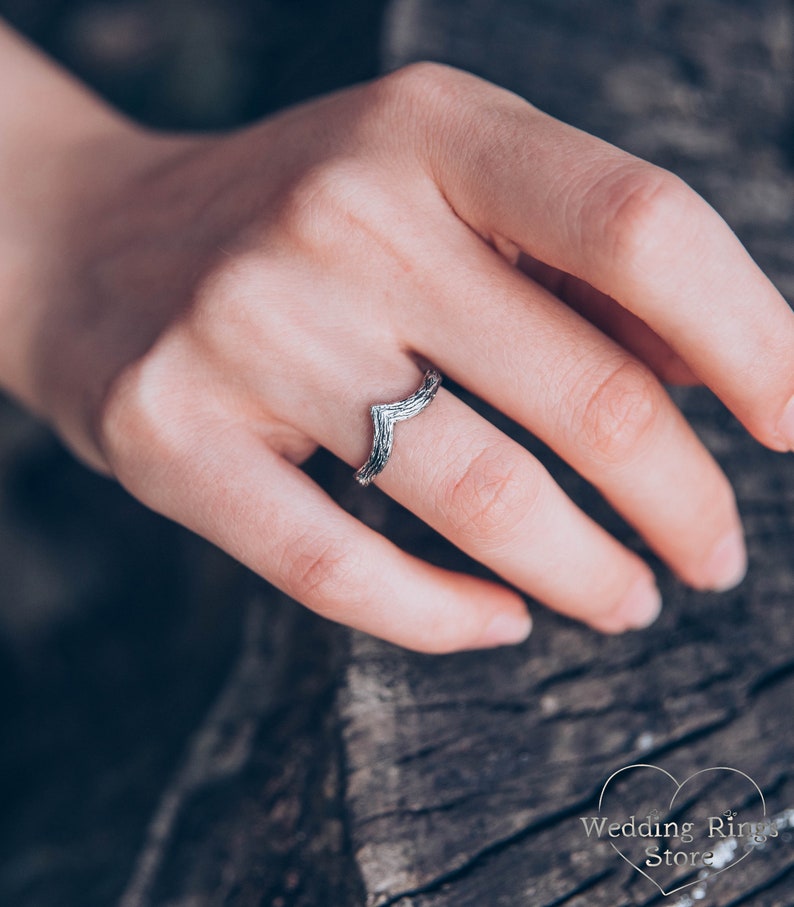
(227,304)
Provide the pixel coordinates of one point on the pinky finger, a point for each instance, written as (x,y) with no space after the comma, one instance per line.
(268,514)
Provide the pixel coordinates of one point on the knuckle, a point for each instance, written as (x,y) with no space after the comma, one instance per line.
(318,209)
(149,423)
(489,494)
(618,417)
(637,210)
(426,105)
(319,571)
(420,83)
(135,407)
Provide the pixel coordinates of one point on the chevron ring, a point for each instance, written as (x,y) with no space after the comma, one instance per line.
(384,415)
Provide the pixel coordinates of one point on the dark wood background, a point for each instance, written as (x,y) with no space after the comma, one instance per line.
(175,733)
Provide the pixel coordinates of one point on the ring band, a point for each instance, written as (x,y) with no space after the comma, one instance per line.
(384,415)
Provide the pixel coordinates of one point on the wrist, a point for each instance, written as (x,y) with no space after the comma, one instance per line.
(66,160)
(51,185)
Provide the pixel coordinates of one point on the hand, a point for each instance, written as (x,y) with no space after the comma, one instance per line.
(233,302)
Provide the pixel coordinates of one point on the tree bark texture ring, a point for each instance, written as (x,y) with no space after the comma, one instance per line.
(384,417)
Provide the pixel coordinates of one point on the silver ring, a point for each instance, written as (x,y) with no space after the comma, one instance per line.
(384,415)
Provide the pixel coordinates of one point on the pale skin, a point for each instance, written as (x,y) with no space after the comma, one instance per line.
(196,315)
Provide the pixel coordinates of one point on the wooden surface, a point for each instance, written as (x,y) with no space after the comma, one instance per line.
(178,735)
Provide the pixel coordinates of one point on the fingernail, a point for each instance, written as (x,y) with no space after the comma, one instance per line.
(726,566)
(506,629)
(785,428)
(639,609)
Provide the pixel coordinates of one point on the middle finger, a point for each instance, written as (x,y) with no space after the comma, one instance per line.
(501,335)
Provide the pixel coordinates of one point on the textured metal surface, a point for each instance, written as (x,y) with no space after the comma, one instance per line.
(384,418)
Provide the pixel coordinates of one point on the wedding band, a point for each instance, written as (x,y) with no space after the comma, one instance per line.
(384,416)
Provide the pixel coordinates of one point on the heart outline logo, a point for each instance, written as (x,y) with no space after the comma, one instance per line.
(678,788)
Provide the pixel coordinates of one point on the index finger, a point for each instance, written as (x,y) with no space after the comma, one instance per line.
(632,230)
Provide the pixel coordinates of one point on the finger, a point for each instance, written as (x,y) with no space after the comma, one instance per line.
(492,499)
(622,326)
(634,231)
(236,492)
(596,405)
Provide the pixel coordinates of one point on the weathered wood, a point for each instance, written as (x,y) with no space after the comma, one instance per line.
(467,774)
(168,726)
